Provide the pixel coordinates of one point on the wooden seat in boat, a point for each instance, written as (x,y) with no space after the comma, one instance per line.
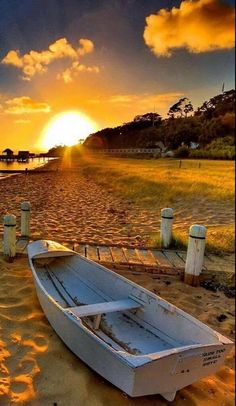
(97,309)
(105,307)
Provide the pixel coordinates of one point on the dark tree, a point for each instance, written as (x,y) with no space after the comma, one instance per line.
(218,105)
(57,151)
(149,118)
(214,119)
(181,109)
(187,107)
(174,111)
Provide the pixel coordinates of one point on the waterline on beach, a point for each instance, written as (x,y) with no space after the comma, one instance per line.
(21,166)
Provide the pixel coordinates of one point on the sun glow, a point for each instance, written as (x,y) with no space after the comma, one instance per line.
(67,129)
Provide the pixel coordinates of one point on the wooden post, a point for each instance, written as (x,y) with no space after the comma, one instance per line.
(25,219)
(167,218)
(9,236)
(195,254)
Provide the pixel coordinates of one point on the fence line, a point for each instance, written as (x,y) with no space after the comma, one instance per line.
(195,252)
(119,151)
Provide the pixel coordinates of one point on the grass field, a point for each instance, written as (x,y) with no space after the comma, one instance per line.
(199,192)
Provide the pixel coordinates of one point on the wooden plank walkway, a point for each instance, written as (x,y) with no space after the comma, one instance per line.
(129,256)
(139,258)
(145,259)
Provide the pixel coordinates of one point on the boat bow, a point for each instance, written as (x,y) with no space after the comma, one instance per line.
(47,249)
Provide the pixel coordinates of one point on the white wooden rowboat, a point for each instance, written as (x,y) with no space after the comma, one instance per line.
(136,340)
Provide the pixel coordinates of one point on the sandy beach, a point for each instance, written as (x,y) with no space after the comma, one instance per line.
(35,366)
(71,206)
(67,206)
(37,369)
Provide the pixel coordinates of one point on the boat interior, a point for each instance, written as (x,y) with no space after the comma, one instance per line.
(118,311)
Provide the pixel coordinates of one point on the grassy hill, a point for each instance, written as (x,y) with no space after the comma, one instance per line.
(211,127)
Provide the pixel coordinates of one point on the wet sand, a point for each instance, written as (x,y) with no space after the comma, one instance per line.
(37,369)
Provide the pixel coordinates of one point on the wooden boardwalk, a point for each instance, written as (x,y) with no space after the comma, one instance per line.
(132,257)
(141,259)
(170,262)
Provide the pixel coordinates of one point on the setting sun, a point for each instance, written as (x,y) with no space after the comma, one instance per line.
(67,129)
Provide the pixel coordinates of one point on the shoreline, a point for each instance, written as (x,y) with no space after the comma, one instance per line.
(38,169)
(7,175)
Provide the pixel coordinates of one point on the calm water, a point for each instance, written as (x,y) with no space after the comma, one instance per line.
(32,164)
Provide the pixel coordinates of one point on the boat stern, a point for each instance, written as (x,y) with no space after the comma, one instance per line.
(167,374)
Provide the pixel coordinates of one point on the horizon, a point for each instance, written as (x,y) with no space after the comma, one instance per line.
(106,73)
(80,141)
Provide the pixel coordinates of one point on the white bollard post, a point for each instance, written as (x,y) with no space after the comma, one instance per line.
(9,236)
(167,218)
(25,220)
(195,254)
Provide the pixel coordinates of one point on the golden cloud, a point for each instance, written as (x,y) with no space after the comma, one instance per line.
(68,74)
(25,105)
(86,47)
(37,62)
(198,26)
(141,101)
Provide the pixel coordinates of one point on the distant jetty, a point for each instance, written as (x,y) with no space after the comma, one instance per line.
(22,156)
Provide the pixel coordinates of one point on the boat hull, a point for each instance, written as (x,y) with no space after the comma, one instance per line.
(87,346)
(163,375)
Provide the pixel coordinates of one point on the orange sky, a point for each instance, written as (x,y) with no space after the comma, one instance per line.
(24,118)
(108,61)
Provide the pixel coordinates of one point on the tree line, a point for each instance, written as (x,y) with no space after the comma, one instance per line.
(210,128)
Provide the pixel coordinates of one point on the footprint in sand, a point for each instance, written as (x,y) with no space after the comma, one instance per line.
(37,343)
(20,367)
(22,389)
(18,313)
(18,387)
(29,366)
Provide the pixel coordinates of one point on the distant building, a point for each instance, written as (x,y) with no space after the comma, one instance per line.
(194,145)
(23,155)
(8,152)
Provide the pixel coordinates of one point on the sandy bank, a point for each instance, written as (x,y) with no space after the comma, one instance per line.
(37,369)
(68,206)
